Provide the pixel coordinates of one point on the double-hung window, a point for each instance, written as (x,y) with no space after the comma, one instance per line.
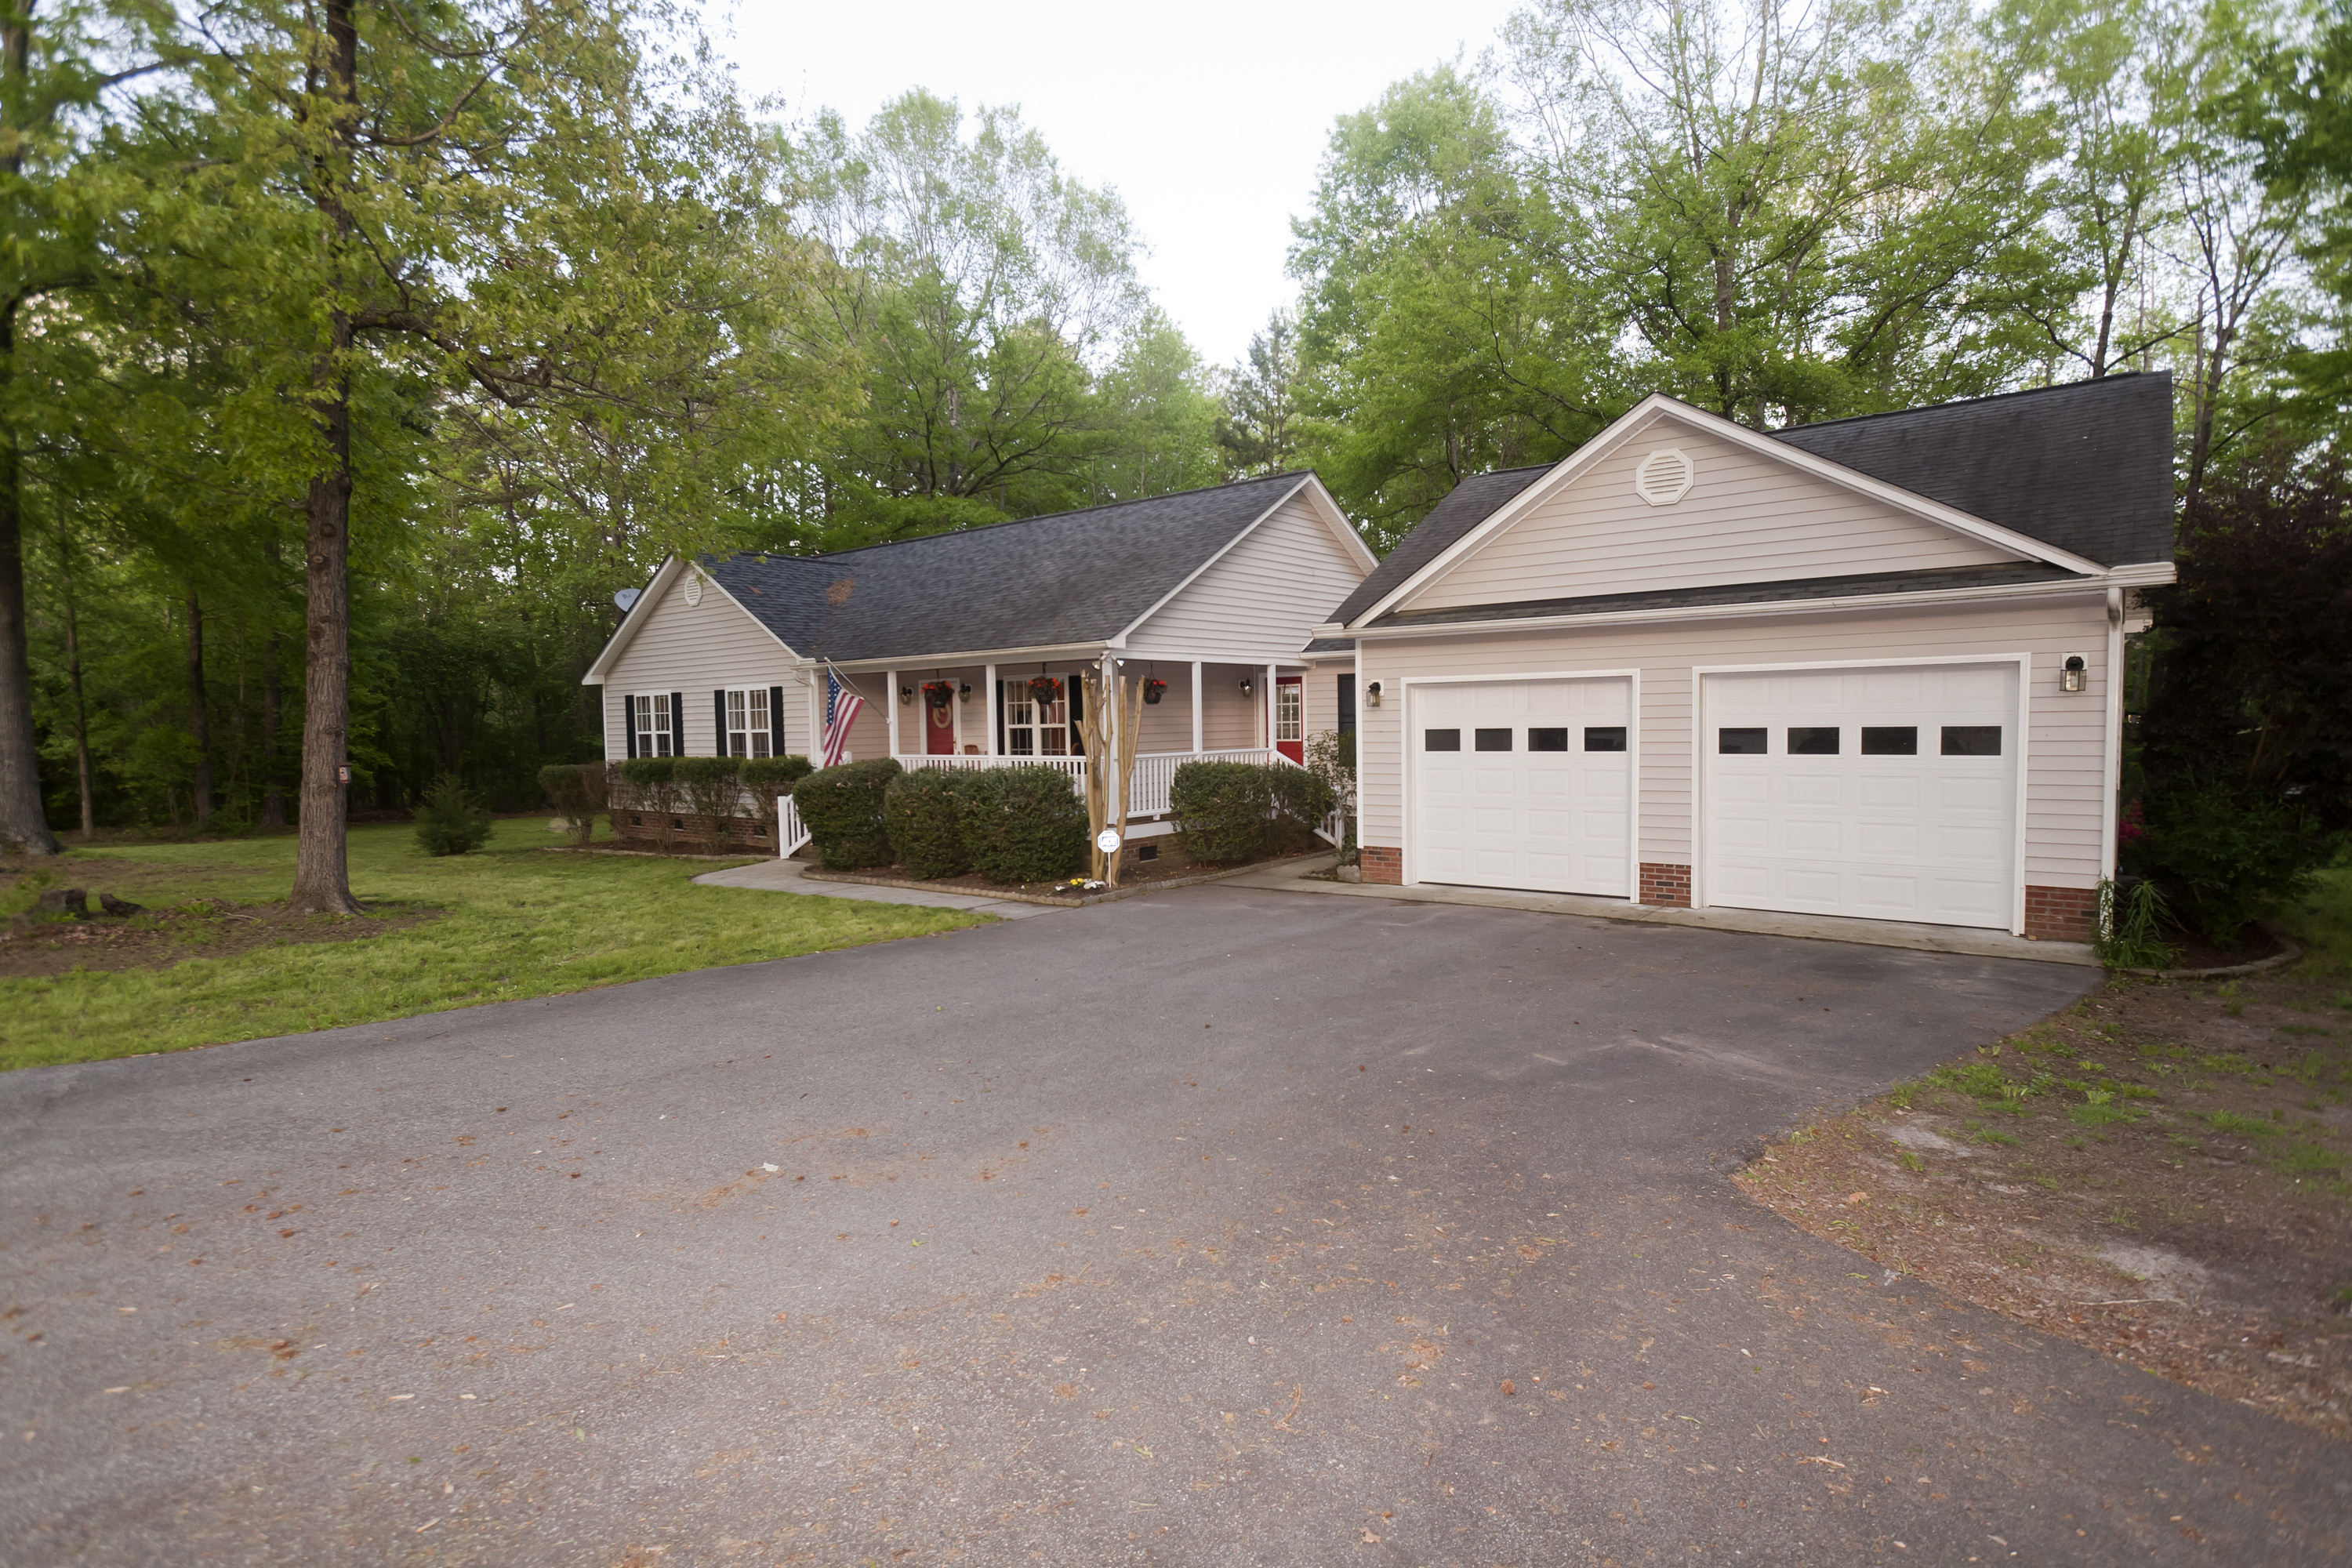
(749,732)
(1289,724)
(1035,727)
(654,730)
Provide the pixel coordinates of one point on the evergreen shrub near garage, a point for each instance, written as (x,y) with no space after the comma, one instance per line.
(1302,799)
(922,813)
(1223,809)
(842,809)
(1023,825)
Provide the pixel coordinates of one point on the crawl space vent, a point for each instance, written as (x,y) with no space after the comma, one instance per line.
(1664,476)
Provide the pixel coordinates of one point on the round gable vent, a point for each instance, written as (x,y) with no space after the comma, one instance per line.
(692,591)
(1664,476)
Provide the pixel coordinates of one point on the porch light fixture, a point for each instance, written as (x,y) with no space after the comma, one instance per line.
(1372,695)
(906,697)
(1245,685)
(964,692)
(2075,674)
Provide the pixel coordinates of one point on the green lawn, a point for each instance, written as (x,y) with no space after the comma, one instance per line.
(513,921)
(2321,924)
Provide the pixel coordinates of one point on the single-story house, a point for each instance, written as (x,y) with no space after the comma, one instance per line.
(965,647)
(1866,668)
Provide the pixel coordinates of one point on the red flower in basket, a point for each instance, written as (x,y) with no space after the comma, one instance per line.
(939,693)
(1045,688)
(1154,689)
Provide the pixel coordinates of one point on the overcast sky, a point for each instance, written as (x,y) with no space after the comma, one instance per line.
(1209,118)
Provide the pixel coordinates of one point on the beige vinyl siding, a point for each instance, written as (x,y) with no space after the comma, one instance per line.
(1322,692)
(1168,724)
(1259,599)
(2065,776)
(1748,518)
(696,649)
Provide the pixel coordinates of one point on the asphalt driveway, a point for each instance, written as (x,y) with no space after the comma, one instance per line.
(1217,1227)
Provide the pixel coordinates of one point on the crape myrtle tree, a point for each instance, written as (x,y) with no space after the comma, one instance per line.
(507,200)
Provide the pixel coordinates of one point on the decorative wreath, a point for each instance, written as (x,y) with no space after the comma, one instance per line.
(939,693)
(1045,688)
(1154,690)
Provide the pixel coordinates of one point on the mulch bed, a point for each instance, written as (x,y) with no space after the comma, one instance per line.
(2158,1172)
(1171,864)
(36,947)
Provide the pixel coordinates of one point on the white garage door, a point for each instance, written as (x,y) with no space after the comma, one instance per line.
(1524,784)
(1890,793)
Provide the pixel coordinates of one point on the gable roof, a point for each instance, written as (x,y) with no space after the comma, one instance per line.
(2086,467)
(1074,577)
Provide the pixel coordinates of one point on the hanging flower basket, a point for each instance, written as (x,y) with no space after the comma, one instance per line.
(1153,691)
(939,693)
(1045,688)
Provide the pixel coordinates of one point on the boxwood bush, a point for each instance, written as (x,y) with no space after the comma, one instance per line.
(921,812)
(1302,798)
(842,808)
(1023,825)
(1223,809)
(578,791)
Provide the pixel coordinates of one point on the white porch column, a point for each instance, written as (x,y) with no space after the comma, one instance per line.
(988,742)
(1266,708)
(892,676)
(1196,707)
(815,679)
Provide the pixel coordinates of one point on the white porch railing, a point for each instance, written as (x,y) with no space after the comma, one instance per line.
(1154,771)
(790,834)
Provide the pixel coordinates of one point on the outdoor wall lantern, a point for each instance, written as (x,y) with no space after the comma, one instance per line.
(906,697)
(1245,685)
(1372,695)
(2075,674)
(964,692)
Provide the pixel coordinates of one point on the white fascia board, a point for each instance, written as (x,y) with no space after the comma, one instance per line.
(971,656)
(1127,631)
(626,632)
(1336,518)
(1637,418)
(1924,598)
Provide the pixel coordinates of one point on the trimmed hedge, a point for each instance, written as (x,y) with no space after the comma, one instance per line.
(1223,809)
(578,791)
(922,813)
(842,809)
(766,778)
(1231,811)
(1023,825)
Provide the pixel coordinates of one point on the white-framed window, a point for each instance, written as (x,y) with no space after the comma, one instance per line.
(655,732)
(750,732)
(1034,728)
(1287,724)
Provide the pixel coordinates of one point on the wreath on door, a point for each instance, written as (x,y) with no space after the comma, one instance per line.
(1045,688)
(939,693)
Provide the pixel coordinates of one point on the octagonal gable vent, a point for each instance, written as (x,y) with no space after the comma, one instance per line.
(1664,476)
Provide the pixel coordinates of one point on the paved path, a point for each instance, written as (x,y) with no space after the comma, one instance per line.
(1223,1225)
(784,877)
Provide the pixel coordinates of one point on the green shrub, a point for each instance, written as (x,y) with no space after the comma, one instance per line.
(766,778)
(2228,859)
(921,812)
(842,808)
(2131,926)
(1223,809)
(578,791)
(451,822)
(710,789)
(1302,799)
(1023,825)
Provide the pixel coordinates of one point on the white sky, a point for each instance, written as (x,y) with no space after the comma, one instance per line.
(1209,118)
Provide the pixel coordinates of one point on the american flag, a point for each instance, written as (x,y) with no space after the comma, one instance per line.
(841,708)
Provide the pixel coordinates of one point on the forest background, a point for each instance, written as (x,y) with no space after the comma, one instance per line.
(353,352)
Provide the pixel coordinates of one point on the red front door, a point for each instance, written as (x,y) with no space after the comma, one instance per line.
(1290,718)
(938,727)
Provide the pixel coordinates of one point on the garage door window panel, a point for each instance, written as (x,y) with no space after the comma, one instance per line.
(1742,742)
(1493,740)
(1543,740)
(1814,741)
(1890,740)
(1441,740)
(1972,740)
(1605,738)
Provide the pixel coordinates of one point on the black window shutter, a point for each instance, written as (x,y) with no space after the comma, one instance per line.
(629,722)
(718,707)
(1347,701)
(775,720)
(678,724)
(1000,719)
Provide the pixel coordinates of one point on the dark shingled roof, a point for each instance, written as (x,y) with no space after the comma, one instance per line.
(1074,577)
(1465,506)
(2086,467)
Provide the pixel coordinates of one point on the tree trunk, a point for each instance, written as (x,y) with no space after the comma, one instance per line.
(322,882)
(24,821)
(73,678)
(199,722)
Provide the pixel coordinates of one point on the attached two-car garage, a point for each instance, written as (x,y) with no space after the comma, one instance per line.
(1888,792)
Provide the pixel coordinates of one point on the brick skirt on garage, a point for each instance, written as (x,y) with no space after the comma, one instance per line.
(1383,865)
(2061,914)
(1665,884)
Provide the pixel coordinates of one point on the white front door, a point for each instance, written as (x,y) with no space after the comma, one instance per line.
(1524,784)
(1886,793)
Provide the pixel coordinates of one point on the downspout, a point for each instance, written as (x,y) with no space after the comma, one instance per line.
(2109,806)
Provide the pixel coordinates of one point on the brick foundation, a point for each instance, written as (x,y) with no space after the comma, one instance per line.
(2060,914)
(653,830)
(1383,865)
(1663,884)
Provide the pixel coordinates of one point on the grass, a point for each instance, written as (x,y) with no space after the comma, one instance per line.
(513,921)
(2320,922)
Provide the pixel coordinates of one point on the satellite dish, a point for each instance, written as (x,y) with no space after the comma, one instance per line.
(626,597)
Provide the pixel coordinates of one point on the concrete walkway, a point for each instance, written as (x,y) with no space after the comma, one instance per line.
(784,877)
(1293,876)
